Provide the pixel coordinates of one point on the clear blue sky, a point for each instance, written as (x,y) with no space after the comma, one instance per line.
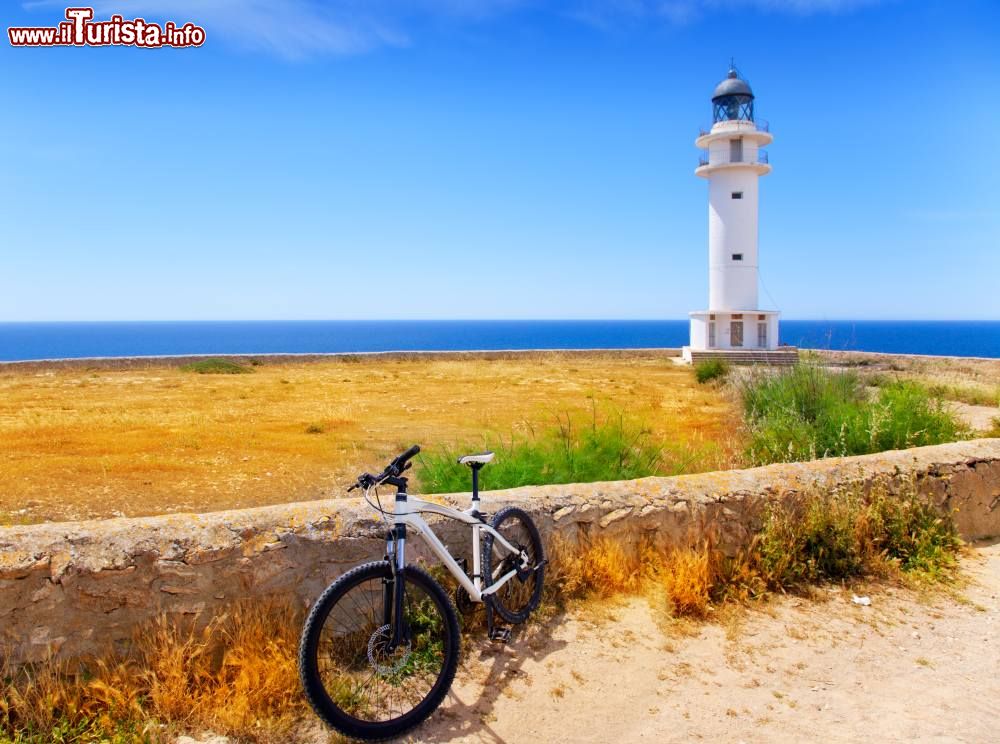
(496,159)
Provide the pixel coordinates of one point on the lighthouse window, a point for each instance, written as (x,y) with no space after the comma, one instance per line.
(737,256)
(736,150)
(762,335)
(737,194)
(711,335)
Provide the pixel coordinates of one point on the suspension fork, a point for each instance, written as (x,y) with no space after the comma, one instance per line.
(390,582)
(398,587)
(392,596)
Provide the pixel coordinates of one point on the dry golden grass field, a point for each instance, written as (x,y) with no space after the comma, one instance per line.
(92,440)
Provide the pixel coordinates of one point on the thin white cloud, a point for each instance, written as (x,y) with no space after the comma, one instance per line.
(680,12)
(610,13)
(806,6)
(303,28)
(798,7)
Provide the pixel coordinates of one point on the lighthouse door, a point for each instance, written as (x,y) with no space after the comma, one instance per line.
(736,333)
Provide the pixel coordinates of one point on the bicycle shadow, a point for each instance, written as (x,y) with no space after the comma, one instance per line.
(467,710)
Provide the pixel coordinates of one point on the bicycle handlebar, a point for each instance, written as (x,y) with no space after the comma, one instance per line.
(392,470)
(405,457)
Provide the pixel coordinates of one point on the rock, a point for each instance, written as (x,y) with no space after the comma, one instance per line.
(615,516)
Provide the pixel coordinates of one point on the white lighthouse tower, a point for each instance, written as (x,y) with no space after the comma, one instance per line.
(734,327)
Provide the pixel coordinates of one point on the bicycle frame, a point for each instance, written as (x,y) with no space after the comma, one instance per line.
(407,513)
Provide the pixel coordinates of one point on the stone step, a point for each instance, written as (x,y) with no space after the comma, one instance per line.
(783,357)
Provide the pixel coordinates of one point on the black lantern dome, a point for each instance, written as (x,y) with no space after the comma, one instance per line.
(732,99)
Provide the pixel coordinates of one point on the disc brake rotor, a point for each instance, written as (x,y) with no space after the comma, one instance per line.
(378,652)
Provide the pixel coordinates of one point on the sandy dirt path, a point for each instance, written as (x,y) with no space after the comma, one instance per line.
(904,669)
(980,418)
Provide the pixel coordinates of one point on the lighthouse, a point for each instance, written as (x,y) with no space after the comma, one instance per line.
(734,327)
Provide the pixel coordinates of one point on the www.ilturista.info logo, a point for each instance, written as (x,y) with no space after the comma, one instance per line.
(80,29)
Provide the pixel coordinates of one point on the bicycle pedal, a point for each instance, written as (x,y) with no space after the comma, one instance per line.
(500,635)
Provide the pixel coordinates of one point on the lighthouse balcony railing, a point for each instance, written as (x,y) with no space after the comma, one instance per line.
(728,158)
(761,126)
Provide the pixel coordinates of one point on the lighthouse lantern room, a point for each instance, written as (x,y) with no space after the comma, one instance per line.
(734,327)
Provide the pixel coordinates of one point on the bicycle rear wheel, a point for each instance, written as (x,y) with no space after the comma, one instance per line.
(351,679)
(520,596)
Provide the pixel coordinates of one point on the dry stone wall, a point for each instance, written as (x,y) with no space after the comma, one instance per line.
(74,588)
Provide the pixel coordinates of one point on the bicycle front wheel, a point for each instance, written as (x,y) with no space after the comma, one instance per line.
(351,679)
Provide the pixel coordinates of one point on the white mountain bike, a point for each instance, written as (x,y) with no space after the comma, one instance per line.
(380,647)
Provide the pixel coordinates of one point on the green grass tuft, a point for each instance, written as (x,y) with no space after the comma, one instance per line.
(809,412)
(711,369)
(83,731)
(216,367)
(614,448)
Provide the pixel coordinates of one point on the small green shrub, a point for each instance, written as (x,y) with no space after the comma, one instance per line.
(834,537)
(818,542)
(910,533)
(216,367)
(711,369)
(906,414)
(610,449)
(315,429)
(809,412)
(879,380)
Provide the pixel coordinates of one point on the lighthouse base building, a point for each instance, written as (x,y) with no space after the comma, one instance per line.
(738,336)
(734,327)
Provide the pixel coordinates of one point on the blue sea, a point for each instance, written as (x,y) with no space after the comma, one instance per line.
(25,341)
